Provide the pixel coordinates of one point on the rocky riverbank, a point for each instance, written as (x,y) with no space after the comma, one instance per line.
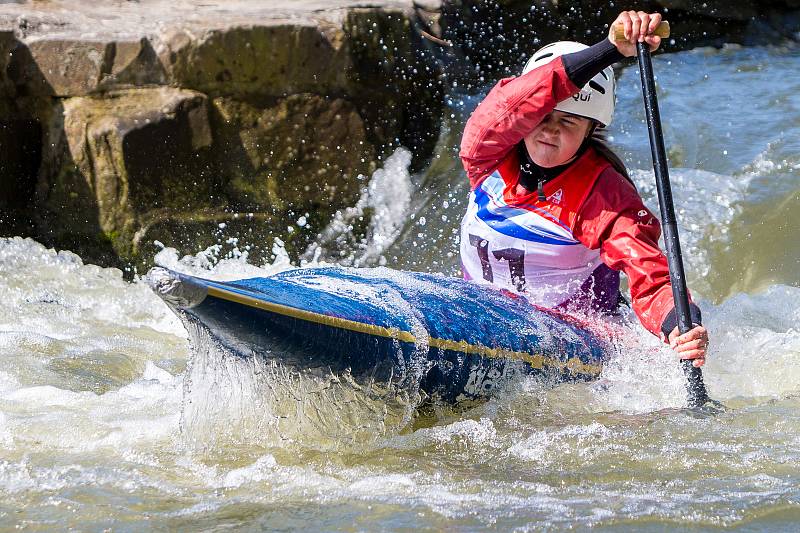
(126,122)
(136,121)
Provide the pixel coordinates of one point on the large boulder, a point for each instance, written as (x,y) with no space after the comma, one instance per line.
(142,165)
(66,67)
(111,160)
(300,157)
(304,152)
(371,57)
(62,68)
(273,58)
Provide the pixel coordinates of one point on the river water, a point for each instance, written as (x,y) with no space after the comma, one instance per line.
(107,422)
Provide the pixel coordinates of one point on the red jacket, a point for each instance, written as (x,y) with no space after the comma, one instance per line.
(612,218)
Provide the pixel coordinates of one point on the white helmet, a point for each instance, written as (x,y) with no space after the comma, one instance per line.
(596,99)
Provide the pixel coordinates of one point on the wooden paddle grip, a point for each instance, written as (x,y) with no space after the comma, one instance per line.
(662,30)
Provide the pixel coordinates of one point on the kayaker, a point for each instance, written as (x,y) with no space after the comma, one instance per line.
(552,212)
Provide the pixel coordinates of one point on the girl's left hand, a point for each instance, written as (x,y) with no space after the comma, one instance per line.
(638,27)
(691,345)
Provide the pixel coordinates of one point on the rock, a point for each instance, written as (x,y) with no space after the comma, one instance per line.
(116,158)
(273,59)
(301,156)
(142,164)
(303,152)
(306,97)
(7,91)
(20,150)
(64,68)
(373,56)
(20,154)
(401,81)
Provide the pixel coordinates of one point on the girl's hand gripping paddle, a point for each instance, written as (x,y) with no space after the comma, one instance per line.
(696,389)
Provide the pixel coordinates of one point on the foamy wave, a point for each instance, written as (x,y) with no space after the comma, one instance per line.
(384,205)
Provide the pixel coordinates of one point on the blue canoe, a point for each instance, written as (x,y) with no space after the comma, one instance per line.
(458,339)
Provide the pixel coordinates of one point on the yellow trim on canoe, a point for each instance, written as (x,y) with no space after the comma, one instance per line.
(342,323)
(574,364)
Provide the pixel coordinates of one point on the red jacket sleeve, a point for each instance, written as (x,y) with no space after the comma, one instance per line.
(509,112)
(614,219)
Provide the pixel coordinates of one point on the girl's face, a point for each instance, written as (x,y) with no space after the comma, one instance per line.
(556,139)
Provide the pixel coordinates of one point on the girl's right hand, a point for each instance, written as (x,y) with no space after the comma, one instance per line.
(638,27)
(691,345)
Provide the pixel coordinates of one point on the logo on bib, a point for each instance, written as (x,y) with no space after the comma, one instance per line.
(555,198)
(644,213)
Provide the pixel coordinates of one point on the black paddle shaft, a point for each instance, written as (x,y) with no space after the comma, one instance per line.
(696,389)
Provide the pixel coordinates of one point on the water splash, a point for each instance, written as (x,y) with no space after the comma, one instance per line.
(383,206)
(76,326)
(232,398)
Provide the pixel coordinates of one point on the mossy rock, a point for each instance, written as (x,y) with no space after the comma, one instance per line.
(303,153)
(273,59)
(114,158)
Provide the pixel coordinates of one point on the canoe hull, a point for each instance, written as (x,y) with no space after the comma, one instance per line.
(453,339)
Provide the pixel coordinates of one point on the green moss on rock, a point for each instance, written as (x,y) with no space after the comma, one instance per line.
(302,153)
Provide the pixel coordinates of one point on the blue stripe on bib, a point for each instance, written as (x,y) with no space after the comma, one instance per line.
(500,219)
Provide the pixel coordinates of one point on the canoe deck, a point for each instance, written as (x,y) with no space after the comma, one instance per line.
(457,339)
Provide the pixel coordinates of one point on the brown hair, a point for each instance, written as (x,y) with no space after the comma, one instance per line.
(599,142)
